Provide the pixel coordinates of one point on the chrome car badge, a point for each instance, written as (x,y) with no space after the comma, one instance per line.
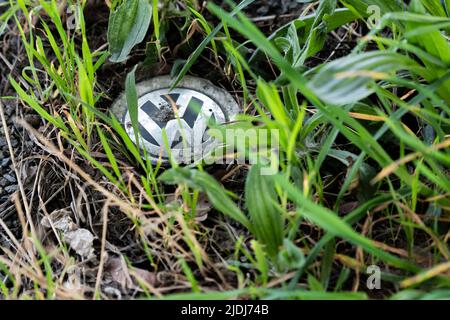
(184,113)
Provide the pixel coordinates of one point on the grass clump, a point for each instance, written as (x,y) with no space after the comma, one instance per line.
(361,105)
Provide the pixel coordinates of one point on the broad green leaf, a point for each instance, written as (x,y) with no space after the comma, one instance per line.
(361,6)
(347,80)
(290,256)
(261,200)
(127,27)
(437,294)
(132,102)
(435,7)
(84,85)
(261,261)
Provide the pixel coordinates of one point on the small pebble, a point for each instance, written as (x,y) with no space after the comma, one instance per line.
(10,178)
(14,143)
(11,189)
(5,162)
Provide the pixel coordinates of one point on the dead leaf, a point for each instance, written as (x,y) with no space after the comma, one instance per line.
(129,279)
(203,207)
(348,207)
(28,174)
(118,270)
(73,281)
(144,275)
(80,240)
(60,220)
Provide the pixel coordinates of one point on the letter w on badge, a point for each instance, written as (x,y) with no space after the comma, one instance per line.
(184,117)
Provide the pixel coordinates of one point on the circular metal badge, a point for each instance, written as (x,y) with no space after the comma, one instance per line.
(184,113)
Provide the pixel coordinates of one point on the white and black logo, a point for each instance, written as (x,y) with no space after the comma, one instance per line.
(184,114)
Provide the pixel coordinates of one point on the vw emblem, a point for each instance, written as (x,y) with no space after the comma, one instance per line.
(184,114)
